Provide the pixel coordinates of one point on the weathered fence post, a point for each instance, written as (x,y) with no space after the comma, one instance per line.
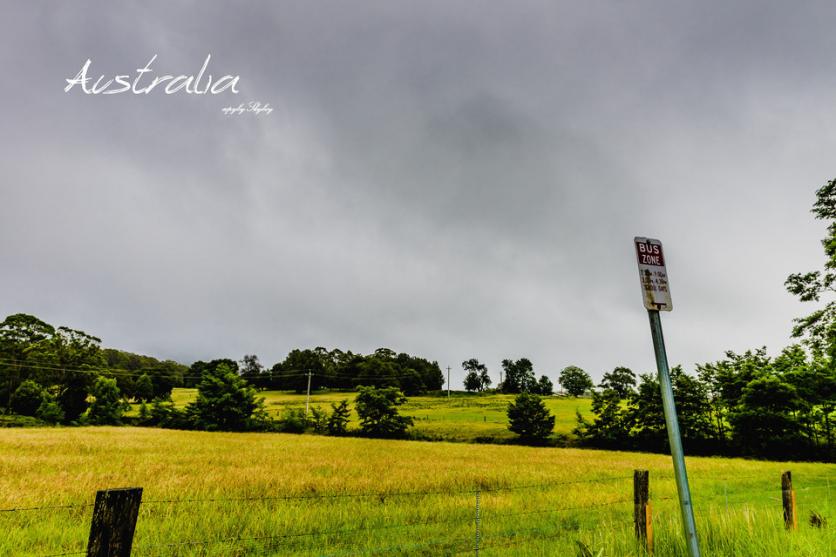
(642,513)
(788,499)
(478,522)
(114,521)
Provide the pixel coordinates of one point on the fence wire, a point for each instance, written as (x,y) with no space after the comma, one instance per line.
(493,528)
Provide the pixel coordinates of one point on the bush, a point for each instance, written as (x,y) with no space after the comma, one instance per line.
(318,420)
(50,411)
(378,411)
(144,388)
(144,414)
(164,414)
(28,398)
(225,402)
(108,406)
(338,420)
(293,421)
(529,418)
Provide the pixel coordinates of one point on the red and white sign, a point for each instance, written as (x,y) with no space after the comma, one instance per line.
(652,274)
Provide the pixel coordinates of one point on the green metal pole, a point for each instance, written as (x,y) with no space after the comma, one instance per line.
(673,435)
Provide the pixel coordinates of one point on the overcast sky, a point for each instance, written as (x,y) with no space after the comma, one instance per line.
(449,179)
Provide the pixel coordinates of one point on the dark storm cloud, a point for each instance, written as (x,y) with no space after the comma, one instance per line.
(452,179)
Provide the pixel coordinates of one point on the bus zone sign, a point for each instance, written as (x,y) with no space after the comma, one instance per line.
(653,275)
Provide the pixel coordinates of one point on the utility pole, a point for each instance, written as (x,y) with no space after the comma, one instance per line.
(448,381)
(656,293)
(308,397)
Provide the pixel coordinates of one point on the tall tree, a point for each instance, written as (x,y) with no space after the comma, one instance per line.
(107,406)
(575,381)
(476,375)
(763,423)
(225,401)
(544,386)
(252,370)
(378,412)
(622,380)
(519,376)
(23,338)
(819,328)
(529,418)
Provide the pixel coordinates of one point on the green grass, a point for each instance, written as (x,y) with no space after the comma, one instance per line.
(213,494)
(458,418)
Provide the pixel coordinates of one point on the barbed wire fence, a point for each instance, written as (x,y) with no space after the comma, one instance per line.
(482,517)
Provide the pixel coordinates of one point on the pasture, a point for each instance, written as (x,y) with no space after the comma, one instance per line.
(461,417)
(213,494)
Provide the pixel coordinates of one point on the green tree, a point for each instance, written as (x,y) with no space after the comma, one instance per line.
(485,379)
(22,340)
(519,376)
(294,420)
(622,380)
(144,389)
(28,398)
(378,412)
(544,386)
(225,401)
(819,328)
(612,424)
(476,378)
(292,373)
(472,383)
(50,411)
(252,370)
(78,359)
(165,414)
(339,418)
(108,406)
(529,418)
(647,416)
(379,369)
(575,381)
(763,423)
(725,380)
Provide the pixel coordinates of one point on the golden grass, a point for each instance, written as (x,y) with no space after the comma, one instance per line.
(459,418)
(425,506)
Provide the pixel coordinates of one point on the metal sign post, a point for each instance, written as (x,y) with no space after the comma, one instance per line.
(656,293)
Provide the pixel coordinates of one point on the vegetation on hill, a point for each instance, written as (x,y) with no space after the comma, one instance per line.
(748,404)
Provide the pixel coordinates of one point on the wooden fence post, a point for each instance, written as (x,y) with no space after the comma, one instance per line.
(788,499)
(114,521)
(642,514)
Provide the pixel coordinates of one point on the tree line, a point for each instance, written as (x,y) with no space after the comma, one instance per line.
(64,375)
(337,369)
(746,404)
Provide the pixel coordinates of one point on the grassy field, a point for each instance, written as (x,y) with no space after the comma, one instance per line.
(459,418)
(278,494)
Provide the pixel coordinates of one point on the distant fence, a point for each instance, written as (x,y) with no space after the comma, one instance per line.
(115,513)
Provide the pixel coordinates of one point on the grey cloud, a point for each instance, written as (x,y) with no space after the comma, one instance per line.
(447,178)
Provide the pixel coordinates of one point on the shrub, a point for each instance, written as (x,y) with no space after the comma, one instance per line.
(378,411)
(338,420)
(226,402)
(529,418)
(50,411)
(108,406)
(144,388)
(293,421)
(28,398)
(164,414)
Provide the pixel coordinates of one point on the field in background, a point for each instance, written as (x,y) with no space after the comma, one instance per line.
(459,418)
(213,494)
